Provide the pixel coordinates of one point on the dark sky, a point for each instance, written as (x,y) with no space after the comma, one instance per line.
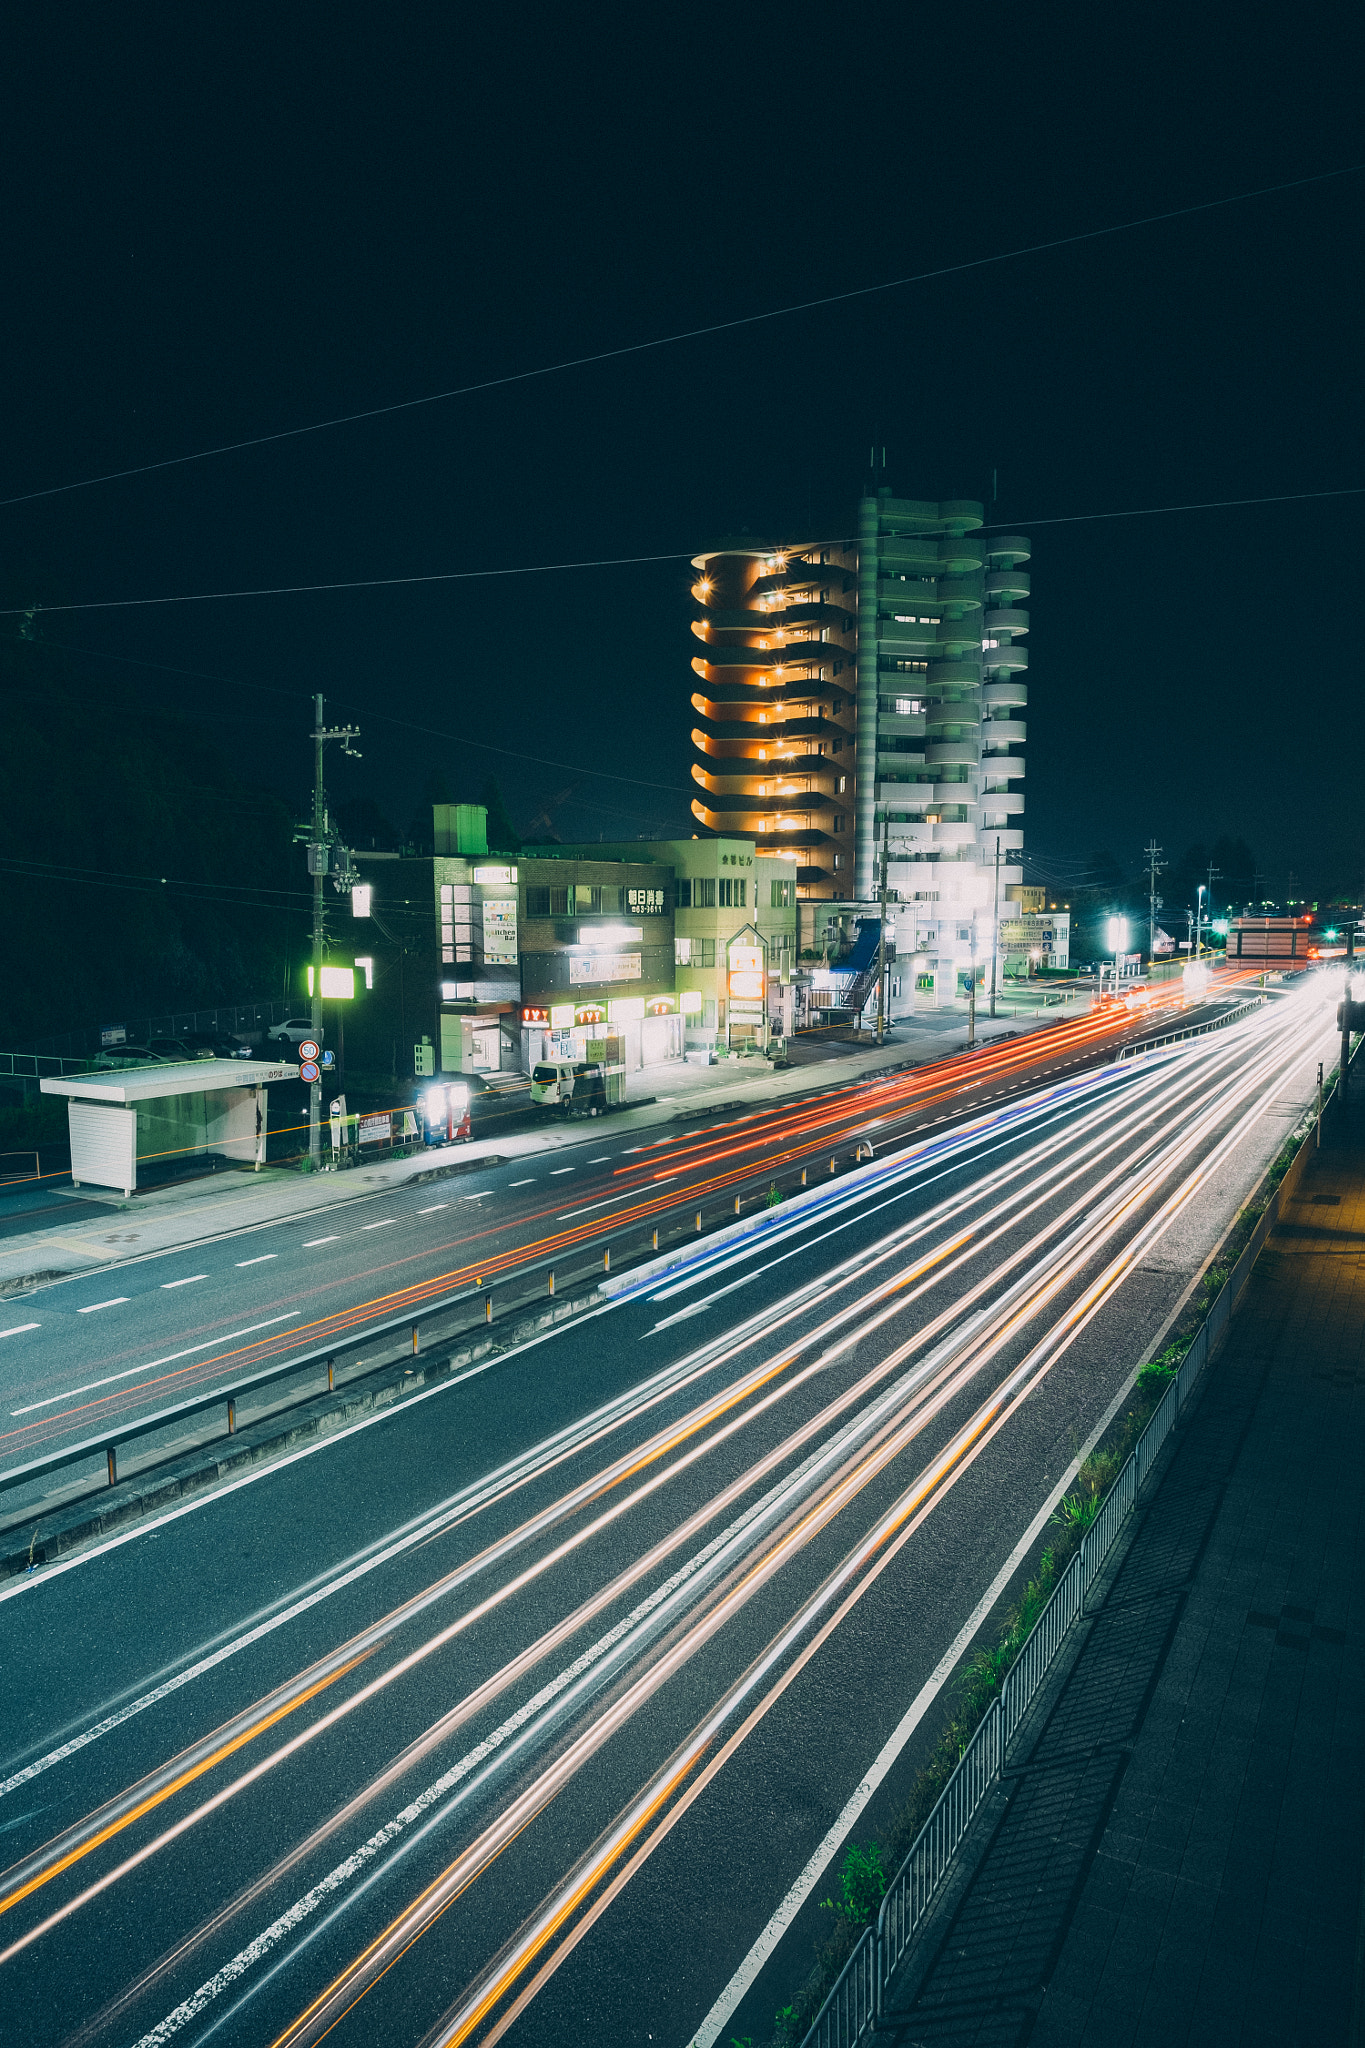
(224,223)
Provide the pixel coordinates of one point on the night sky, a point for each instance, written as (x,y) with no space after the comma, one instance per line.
(228,223)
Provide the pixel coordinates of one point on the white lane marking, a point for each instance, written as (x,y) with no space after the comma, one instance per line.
(354,1863)
(709,2030)
(383,1225)
(152,1363)
(19,1329)
(113,1303)
(560,1169)
(605,1160)
(522,1183)
(258,1261)
(483,1197)
(434,1207)
(309,1243)
(605,1204)
(188,1281)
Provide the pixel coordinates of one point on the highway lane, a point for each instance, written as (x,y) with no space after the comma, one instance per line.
(105,1347)
(759,1425)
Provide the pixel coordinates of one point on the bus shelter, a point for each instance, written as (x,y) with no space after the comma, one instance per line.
(121,1118)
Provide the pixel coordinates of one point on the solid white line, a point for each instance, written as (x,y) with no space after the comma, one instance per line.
(19,1329)
(258,1261)
(152,1363)
(310,1242)
(188,1281)
(709,2030)
(101,1304)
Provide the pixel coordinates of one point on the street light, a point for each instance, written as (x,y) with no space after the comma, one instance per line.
(1199,922)
(1118,943)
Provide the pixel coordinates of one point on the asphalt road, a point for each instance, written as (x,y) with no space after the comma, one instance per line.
(495,1641)
(100,1349)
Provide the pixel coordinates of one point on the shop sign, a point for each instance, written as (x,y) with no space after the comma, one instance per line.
(592,967)
(645,902)
(376,1130)
(500,932)
(532,1015)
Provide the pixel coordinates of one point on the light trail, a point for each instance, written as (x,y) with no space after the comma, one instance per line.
(1228,1069)
(137,1801)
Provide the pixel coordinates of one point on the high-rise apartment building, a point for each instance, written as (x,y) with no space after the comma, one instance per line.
(855,692)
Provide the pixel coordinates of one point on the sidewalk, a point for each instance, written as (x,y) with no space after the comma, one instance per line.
(105,1228)
(1180,1856)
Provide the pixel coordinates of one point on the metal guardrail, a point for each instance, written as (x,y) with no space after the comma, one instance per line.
(1132,1052)
(849,2014)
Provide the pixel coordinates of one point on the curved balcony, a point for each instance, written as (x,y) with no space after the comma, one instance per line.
(1002,732)
(993,659)
(959,833)
(910,554)
(1006,586)
(1006,695)
(961,511)
(958,554)
(1007,550)
(951,753)
(960,639)
(1007,621)
(1011,841)
(1002,803)
(945,794)
(965,714)
(953,675)
(905,796)
(963,592)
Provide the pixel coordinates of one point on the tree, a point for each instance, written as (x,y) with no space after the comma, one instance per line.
(503,836)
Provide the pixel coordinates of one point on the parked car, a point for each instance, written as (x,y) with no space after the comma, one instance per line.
(293,1031)
(170,1049)
(210,1045)
(130,1056)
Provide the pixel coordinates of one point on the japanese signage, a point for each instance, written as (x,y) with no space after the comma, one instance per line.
(747,982)
(645,902)
(500,931)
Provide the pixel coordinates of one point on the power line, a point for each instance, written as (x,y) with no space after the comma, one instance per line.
(689,334)
(35,611)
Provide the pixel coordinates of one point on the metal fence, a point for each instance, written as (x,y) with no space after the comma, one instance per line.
(1132,1052)
(73,1049)
(856,2006)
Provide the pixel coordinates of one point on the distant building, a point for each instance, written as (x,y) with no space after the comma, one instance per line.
(1273,938)
(853,692)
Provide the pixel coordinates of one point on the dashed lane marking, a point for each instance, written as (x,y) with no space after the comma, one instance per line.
(18,1329)
(383,1224)
(113,1302)
(260,1261)
(188,1281)
(310,1242)
(434,1207)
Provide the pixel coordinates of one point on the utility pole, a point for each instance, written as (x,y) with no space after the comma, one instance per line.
(881,939)
(995,922)
(1155,863)
(971,992)
(322,844)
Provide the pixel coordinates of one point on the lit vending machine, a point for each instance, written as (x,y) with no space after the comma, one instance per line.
(445,1112)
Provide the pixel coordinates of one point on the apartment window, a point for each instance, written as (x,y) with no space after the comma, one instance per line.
(537,902)
(685,892)
(694,952)
(704,893)
(732,893)
(911,668)
(838,860)
(841,785)
(838,668)
(783,895)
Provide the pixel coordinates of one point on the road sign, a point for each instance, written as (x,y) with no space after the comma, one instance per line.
(309,1071)
(309,1051)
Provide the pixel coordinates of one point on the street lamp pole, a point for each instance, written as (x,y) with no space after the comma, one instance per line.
(995,922)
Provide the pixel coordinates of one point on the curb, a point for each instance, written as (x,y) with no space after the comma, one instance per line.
(200,1470)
